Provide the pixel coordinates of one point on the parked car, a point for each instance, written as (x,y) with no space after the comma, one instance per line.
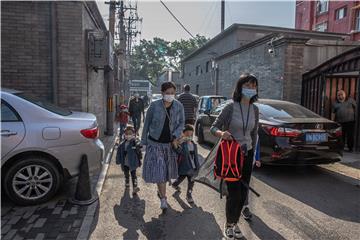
(155,97)
(289,134)
(42,145)
(208,103)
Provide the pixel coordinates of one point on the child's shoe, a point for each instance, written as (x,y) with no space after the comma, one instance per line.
(127,183)
(136,190)
(189,198)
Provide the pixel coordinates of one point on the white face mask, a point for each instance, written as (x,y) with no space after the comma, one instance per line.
(129,137)
(169,98)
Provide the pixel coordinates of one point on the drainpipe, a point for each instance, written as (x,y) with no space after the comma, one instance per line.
(53,53)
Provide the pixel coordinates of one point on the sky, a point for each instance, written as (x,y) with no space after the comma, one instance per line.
(203,17)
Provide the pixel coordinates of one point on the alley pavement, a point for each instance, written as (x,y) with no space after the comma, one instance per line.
(295,203)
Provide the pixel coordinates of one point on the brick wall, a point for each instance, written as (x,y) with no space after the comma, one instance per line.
(268,69)
(25,47)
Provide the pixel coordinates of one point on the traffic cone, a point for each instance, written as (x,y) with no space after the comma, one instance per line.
(83,195)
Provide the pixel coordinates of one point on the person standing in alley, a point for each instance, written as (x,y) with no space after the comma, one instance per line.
(136,108)
(343,112)
(190,104)
(122,117)
(164,123)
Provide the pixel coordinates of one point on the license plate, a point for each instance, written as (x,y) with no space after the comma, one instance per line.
(316,137)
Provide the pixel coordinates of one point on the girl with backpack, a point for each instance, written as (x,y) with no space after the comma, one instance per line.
(239,121)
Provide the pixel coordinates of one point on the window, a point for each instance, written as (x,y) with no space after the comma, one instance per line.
(357,20)
(284,111)
(208,64)
(8,114)
(340,13)
(197,70)
(322,6)
(46,105)
(322,27)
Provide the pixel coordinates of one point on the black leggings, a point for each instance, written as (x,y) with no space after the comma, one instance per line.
(127,173)
(238,192)
(190,182)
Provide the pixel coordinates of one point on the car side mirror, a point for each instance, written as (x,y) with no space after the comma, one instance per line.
(207,112)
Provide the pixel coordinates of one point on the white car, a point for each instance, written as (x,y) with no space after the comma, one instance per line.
(42,144)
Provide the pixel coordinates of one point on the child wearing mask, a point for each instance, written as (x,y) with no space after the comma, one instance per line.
(188,163)
(129,157)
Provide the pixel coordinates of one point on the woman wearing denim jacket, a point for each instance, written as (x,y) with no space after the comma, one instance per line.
(239,121)
(163,125)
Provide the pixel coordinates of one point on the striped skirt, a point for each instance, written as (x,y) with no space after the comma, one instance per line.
(160,163)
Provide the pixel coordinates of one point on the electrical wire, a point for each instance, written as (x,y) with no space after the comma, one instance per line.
(177,19)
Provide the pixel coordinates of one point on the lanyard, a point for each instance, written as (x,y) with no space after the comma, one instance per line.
(247,118)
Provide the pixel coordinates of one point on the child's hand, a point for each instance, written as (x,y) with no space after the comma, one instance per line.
(258,163)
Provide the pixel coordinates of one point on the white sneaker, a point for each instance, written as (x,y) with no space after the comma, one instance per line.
(228,232)
(237,232)
(163,204)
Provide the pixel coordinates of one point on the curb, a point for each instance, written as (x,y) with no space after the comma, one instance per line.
(90,212)
(340,175)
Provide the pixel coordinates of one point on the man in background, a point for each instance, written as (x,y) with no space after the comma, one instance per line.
(190,104)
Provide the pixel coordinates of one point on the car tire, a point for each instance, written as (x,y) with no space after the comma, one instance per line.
(200,134)
(32,180)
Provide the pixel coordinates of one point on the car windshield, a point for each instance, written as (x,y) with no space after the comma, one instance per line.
(46,105)
(285,111)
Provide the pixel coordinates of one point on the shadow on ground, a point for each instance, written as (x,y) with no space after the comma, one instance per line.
(316,188)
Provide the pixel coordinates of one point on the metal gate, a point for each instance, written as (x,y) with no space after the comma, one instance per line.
(320,85)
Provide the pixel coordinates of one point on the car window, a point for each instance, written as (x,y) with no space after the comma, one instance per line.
(215,102)
(204,103)
(46,105)
(285,110)
(8,114)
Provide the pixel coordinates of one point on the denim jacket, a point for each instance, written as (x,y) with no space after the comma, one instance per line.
(155,119)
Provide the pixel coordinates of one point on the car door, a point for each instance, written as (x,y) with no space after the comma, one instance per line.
(212,117)
(12,129)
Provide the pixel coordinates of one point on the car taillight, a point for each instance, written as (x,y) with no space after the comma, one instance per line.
(90,133)
(281,131)
(337,132)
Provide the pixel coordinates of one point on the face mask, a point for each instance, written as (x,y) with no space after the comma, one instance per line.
(248,93)
(129,137)
(188,139)
(169,98)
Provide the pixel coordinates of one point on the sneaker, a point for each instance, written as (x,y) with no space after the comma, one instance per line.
(189,198)
(237,232)
(228,231)
(136,190)
(247,214)
(177,188)
(127,184)
(163,204)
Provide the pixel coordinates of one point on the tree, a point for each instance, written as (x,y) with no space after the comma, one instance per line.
(151,57)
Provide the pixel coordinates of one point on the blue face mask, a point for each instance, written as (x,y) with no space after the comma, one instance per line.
(248,93)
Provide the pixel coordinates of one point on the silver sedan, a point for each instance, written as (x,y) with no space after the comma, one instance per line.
(41,145)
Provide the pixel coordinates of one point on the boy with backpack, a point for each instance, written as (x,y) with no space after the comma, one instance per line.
(188,162)
(129,156)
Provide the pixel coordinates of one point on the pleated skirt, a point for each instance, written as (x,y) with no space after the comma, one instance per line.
(160,163)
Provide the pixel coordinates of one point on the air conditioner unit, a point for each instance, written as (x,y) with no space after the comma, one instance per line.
(100,49)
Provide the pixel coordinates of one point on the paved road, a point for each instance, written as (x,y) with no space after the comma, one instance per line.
(295,203)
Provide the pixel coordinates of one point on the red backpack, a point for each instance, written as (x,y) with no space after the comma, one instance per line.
(229,161)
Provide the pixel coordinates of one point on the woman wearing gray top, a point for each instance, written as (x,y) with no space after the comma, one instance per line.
(239,120)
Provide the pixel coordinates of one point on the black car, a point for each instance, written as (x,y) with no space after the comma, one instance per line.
(289,134)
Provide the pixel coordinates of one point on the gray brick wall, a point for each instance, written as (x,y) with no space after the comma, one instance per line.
(26,54)
(257,60)
(25,47)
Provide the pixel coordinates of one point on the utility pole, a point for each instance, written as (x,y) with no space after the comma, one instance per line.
(222,15)
(109,76)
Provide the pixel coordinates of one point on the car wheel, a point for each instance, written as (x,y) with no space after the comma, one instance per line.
(32,180)
(200,134)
